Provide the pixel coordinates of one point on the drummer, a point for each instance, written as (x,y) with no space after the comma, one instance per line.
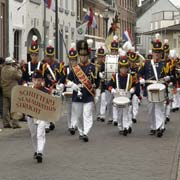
(100,67)
(72,55)
(134,60)
(154,70)
(124,81)
(109,111)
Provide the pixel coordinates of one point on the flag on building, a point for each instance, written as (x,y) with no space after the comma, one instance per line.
(90,18)
(50,4)
(81,30)
(127,36)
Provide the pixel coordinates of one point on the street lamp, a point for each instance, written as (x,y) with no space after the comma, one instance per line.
(106,18)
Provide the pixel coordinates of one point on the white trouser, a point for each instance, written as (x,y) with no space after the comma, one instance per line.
(115,114)
(109,98)
(69,110)
(103,105)
(37,130)
(122,117)
(82,115)
(135,106)
(167,109)
(156,115)
(176,101)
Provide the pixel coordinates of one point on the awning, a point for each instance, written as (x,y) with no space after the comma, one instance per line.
(174,28)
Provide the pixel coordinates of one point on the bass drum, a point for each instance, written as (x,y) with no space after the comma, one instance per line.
(111,66)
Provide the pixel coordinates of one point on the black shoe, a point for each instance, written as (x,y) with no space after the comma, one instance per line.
(160,133)
(35,155)
(130,130)
(102,119)
(39,158)
(85,138)
(115,123)
(52,126)
(125,132)
(110,122)
(47,130)
(134,120)
(98,118)
(152,132)
(7,126)
(72,131)
(173,110)
(177,109)
(167,120)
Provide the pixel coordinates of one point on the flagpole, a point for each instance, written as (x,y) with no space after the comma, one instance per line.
(44,28)
(56,27)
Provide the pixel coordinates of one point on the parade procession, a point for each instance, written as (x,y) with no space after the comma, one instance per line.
(78,79)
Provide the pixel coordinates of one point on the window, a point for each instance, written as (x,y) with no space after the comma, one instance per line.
(16,44)
(61,3)
(175,43)
(72,5)
(138,40)
(66,4)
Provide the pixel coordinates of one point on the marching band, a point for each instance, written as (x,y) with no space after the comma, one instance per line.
(114,86)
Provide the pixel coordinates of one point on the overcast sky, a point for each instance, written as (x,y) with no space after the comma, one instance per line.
(176,2)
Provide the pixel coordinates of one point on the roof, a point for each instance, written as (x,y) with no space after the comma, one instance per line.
(174,28)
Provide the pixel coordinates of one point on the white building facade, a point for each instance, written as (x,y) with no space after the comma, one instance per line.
(26,18)
(156,19)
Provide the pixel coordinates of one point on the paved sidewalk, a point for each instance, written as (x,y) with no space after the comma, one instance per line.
(108,156)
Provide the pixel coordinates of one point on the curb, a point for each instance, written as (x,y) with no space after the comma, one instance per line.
(174,169)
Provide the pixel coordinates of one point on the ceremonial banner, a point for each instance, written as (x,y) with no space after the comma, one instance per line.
(36,103)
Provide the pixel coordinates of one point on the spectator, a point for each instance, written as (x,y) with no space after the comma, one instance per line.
(10,75)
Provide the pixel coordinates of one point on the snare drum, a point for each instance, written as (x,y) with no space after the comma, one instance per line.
(121,102)
(156,92)
(111,66)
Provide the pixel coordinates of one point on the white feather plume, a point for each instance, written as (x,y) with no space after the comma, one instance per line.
(115,37)
(132,49)
(50,43)
(34,38)
(122,53)
(73,45)
(90,42)
(166,41)
(157,36)
(172,53)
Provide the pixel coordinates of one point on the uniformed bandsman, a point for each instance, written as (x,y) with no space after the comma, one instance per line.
(83,81)
(30,67)
(154,70)
(100,72)
(123,80)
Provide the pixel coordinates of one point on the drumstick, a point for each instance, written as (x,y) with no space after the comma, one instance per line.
(127,84)
(117,81)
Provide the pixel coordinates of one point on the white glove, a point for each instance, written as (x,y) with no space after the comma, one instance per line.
(25,84)
(132,91)
(142,81)
(60,87)
(74,86)
(167,78)
(102,75)
(113,91)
